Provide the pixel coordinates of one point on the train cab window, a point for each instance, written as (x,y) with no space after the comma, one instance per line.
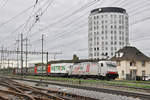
(102,65)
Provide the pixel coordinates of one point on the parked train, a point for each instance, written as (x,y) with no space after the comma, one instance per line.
(101,69)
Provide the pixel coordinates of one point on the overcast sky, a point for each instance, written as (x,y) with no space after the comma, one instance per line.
(67,24)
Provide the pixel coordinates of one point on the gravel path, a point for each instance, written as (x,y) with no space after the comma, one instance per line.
(87,93)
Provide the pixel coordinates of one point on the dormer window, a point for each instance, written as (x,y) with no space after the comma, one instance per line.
(120,54)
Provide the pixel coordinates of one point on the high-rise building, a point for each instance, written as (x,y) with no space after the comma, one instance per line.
(108,32)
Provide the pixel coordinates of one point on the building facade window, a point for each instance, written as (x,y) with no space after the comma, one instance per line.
(122,72)
(118,63)
(143,73)
(132,63)
(143,63)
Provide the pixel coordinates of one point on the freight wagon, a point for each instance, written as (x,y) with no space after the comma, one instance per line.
(60,69)
(20,71)
(39,70)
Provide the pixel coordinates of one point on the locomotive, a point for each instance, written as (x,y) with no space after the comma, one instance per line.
(101,70)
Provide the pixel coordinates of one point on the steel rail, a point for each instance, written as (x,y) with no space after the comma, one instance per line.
(110,91)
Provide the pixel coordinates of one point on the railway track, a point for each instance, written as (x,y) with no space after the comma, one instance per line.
(68,96)
(142,96)
(12,90)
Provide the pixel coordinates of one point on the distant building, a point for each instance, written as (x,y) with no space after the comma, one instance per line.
(131,63)
(108,32)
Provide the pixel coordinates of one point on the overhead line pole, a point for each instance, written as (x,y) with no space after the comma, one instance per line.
(42,53)
(22,54)
(2,57)
(26,51)
(47,63)
(8,59)
(17,54)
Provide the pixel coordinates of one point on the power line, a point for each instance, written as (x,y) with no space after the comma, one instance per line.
(138,5)
(141,20)
(4,4)
(80,16)
(1,25)
(18,16)
(25,25)
(68,16)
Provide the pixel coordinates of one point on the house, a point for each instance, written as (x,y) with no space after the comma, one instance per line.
(131,63)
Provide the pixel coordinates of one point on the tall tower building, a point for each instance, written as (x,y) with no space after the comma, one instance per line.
(108,32)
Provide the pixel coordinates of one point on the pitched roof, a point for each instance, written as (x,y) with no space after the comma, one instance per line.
(130,53)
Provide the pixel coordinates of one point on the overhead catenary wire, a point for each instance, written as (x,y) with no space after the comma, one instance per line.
(33,24)
(138,5)
(4,4)
(87,6)
(68,16)
(19,14)
(4,23)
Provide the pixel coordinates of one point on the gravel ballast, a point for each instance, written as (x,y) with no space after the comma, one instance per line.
(87,93)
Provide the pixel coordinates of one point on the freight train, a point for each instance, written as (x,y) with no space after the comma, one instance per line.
(101,70)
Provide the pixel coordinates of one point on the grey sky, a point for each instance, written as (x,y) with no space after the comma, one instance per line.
(70,35)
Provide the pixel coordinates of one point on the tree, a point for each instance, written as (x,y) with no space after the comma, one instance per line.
(75,57)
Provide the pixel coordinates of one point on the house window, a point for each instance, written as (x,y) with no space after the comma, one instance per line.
(101,64)
(143,72)
(132,63)
(97,54)
(118,63)
(111,53)
(106,54)
(94,54)
(122,72)
(97,48)
(143,63)
(112,48)
(106,48)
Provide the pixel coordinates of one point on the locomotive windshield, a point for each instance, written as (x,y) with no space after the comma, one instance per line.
(111,65)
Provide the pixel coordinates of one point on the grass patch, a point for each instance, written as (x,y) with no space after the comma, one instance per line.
(138,84)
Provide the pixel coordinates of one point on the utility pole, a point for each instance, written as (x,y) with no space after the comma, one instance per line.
(17,53)
(8,58)
(26,51)
(42,52)
(47,62)
(2,57)
(22,54)
(55,56)
(47,57)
